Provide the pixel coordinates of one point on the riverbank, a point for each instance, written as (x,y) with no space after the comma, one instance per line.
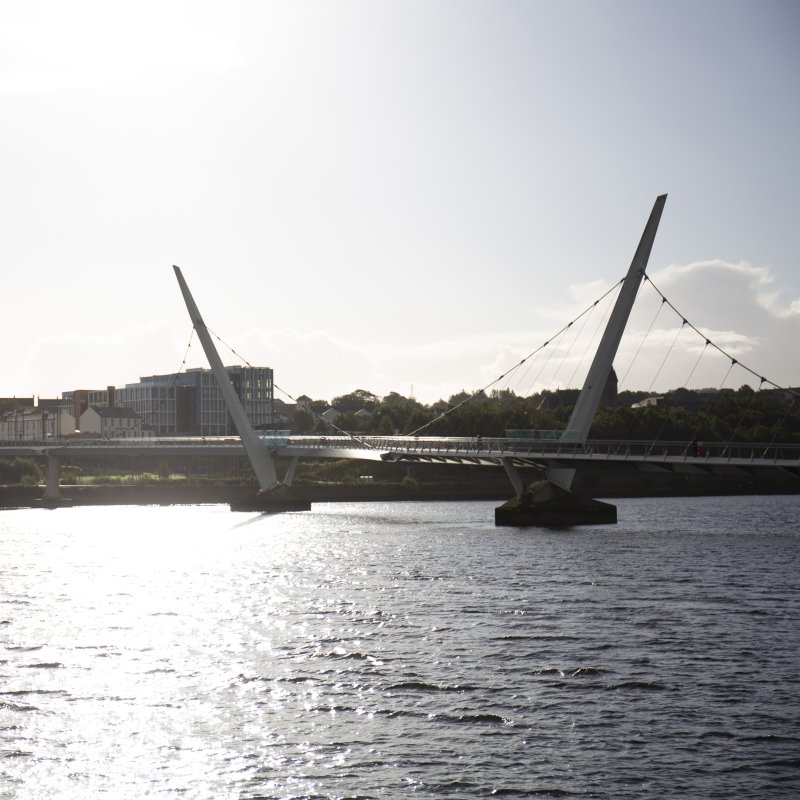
(591,484)
(174,493)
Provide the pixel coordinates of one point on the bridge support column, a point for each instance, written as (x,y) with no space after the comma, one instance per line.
(549,503)
(514,476)
(289,476)
(52,491)
(544,504)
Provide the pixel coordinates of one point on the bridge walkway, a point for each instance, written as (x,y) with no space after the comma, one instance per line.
(482,451)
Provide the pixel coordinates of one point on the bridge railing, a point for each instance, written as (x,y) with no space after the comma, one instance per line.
(467,446)
(634,449)
(653,450)
(146,441)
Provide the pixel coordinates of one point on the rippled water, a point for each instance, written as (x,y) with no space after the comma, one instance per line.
(398,650)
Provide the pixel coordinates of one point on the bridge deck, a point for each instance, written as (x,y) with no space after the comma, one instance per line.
(436,450)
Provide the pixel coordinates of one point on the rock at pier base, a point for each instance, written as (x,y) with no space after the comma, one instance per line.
(547,505)
(272,501)
(52,502)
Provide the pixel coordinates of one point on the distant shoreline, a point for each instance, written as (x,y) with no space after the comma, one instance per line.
(177,494)
(172,493)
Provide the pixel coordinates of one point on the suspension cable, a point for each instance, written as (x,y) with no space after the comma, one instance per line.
(575,338)
(664,360)
(641,344)
(785,416)
(591,339)
(479,392)
(741,419)
(734,361)
(163,398)
(697,363)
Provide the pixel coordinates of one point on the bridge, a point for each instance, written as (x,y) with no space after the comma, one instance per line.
(653,456)
(463,450)
(557,457)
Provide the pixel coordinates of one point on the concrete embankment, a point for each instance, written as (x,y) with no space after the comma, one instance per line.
(588,483)
(177,494)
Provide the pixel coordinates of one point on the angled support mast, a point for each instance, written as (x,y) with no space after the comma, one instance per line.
(580,422)
(260,458)
(589,399)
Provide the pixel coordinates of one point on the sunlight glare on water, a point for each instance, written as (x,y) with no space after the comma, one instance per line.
(399,649)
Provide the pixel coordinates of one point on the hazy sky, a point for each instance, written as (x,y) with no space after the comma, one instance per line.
(393,196)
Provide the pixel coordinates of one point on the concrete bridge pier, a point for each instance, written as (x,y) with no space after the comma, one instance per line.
(514,476)
(550,503)
(289,476)
(52,490)
(546,504)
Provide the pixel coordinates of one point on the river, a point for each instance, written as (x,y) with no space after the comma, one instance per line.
(391,650)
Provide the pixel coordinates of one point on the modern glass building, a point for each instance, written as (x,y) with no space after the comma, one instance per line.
(190,403)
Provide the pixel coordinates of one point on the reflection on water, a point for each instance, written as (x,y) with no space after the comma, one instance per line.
(406,649)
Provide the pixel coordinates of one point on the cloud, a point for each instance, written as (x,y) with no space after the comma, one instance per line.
(735,306)
(711,277)
(50,365)
(582,297)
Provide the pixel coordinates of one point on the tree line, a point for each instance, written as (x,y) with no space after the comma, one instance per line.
(741,415)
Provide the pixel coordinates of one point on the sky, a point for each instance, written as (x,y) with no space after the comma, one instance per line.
(399,197)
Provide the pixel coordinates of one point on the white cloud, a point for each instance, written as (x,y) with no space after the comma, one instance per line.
(51,365)
(734,305)
(582,297)
(714,276)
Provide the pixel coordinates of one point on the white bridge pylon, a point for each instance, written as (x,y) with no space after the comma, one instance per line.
(260,458)
(588,401)
(580,422)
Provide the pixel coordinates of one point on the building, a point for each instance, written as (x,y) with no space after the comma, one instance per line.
(76,401)
(16,402)
(190,403)
(649,402)
(330,416)
(36,423)
(610,390)
(111,422)
(283,412)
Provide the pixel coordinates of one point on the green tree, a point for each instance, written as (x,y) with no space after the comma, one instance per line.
(303,421)
(20,470)
(8,404)
(355,401)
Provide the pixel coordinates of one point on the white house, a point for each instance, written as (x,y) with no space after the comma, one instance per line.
(647,402)
(108,422)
